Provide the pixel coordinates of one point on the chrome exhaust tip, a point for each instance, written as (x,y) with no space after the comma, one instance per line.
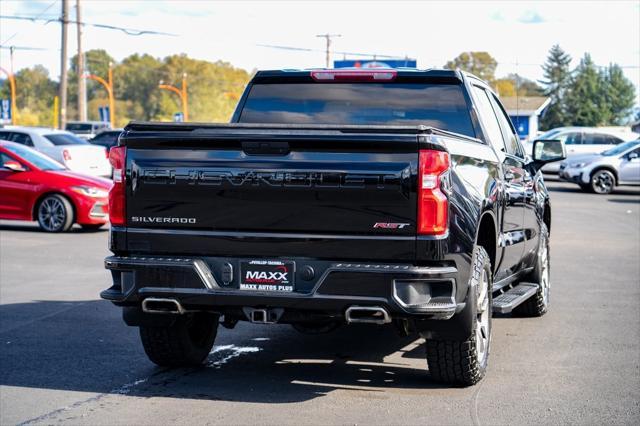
(367,315)
(156,305)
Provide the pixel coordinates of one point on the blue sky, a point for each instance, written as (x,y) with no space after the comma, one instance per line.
(517,33)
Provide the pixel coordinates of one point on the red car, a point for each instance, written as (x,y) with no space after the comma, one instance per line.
(35,187)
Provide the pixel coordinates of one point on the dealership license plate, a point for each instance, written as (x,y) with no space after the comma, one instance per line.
(267,275)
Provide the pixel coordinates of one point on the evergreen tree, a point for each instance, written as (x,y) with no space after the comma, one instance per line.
(619,95)
(585,100)
(557,76)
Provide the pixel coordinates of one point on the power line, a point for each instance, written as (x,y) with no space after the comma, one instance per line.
(128,31)
(304,49)
(37,16)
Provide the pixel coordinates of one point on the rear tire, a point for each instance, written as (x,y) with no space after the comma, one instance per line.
(538,304)
(464,362)
(185,343)
(55,214)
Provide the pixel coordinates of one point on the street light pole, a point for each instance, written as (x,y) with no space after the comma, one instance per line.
(182,93)
(112,101)
(63,64)
(12,90)
(108,85)
(82,87)
(185,98)
(328,37)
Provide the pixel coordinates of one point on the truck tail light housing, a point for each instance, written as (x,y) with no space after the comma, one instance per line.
(330,76)
(118,160)
(433,186)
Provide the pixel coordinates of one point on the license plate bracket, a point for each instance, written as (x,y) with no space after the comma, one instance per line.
(267,275)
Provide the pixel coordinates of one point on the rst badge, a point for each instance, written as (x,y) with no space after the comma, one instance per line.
(388,225)
(267,275)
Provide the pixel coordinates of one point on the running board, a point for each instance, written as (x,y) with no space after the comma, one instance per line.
(507,301)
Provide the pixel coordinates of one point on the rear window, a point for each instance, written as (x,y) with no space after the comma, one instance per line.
(438,105)
(65,139)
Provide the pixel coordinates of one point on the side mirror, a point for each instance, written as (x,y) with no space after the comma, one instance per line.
(632,156)
(548,151)
(13,166)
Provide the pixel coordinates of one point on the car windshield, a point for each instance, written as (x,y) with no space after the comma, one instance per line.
(65,139)
(619,149)
(79,127)
(39,160)
(439,105)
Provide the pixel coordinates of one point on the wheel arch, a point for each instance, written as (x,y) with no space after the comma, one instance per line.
(605,167)
(487,236)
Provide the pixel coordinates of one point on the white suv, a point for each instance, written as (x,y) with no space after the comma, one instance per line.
(583,140)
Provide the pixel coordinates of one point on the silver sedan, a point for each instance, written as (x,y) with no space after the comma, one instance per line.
(601,173)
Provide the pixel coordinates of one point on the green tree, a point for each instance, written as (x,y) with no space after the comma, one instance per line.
(136,81)
(619,95)
(481,64)
(557,76)
(34,96)
(585,100)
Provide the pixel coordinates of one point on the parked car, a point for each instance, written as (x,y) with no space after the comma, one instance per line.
(87,129)
(334,197)
(583,140)
(106,138)
(64,147)
(601,173)
(35,187)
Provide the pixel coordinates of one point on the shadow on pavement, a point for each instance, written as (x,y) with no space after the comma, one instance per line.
(85,347)
(33,227)
(625,200)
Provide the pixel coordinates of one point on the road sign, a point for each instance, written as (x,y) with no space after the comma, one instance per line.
(5,111)
(178,117)
(375,63)
(105,114)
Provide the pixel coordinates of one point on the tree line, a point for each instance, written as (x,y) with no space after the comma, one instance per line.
(213,89)
(588,95)
(585,96)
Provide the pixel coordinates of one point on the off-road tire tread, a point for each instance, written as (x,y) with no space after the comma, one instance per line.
(455,362)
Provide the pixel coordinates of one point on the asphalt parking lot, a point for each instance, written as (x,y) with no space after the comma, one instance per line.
(66,356)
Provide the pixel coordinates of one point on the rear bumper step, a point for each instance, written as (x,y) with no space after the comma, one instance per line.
(507,301)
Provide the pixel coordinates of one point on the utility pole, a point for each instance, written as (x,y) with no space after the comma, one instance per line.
(328,37)
(64,21)
(82,82)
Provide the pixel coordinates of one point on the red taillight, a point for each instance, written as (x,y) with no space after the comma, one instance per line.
(117,158)
(433,205)
(340,75)
(66,155)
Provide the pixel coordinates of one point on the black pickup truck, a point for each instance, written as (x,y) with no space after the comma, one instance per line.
(333,197)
